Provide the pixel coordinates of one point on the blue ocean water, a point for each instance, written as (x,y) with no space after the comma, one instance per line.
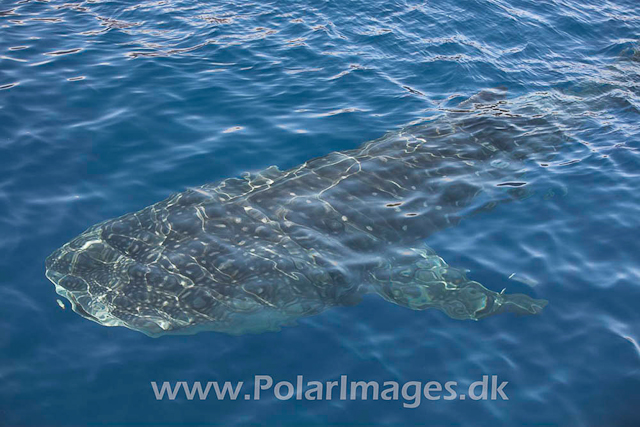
(109,106)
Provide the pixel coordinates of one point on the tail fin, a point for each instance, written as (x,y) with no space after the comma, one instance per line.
(419,279)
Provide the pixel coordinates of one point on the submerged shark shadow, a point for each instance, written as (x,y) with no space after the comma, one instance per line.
(255,253)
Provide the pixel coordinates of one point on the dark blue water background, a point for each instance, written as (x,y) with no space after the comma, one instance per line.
(108,106)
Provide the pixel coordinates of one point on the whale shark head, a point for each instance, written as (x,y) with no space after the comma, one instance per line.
(163,270)
(91,275)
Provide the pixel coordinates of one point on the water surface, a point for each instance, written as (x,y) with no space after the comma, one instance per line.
(107,107)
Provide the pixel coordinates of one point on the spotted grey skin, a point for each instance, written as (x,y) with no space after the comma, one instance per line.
(255,253)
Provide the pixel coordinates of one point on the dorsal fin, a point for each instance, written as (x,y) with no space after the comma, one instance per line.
(231,188)
(486,96)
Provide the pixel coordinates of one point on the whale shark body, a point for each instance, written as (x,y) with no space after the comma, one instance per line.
(252,254)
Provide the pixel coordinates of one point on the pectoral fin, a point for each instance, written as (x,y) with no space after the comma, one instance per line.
(419,279)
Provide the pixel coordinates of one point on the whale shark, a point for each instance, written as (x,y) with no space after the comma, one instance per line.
(254,253)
